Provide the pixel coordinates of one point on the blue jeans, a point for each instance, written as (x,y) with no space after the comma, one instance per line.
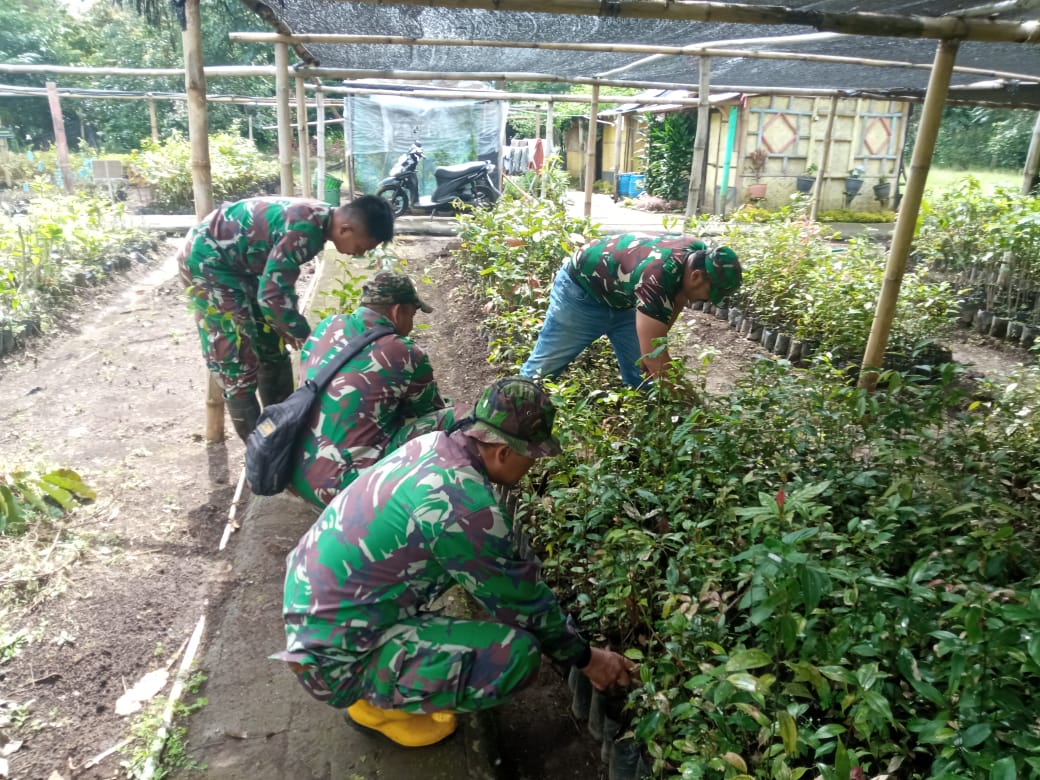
(574,320)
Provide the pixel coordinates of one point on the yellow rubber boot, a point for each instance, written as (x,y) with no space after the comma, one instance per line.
(403,727)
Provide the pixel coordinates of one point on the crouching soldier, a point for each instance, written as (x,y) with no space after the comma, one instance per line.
(423,519)
(380,398)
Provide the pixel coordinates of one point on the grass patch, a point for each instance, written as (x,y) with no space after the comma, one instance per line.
(942,179)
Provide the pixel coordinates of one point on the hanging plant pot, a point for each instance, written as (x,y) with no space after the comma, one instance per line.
(805,183)
(883,191)
(853,185)
(756,191)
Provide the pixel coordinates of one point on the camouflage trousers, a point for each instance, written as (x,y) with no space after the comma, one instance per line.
(234,334)
(431,664)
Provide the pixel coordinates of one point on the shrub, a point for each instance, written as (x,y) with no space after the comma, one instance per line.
(238,170)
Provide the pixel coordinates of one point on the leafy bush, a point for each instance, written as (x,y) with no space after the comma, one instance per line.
(813,578)
(60,244)
(25,495)
(817,580)
(238,169)
(669,153)
(987,242)
(798,278)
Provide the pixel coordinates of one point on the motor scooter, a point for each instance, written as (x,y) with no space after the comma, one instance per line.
(470,183)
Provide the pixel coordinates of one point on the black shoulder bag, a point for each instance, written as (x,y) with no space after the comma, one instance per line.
(272,444)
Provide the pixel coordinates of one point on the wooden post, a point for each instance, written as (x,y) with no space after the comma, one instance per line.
(825,160)
(619,123)
(319,115)
(501,86)
(201,175)
(154,119)
(550,143)
(5,162)
(1031,170)
(903,233)
(249,122)
(281,94)
(695,194)
(348,147)
(60,143)
(590,151)
(303,137)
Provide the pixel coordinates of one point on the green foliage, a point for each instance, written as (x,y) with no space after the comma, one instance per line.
(148,728)
(513,252)
(989,244)
(63,243)
(996,138)
(813,577)
(669,153)
(798,279)
(26,496)
(238,170)
(817,580)
(847,215)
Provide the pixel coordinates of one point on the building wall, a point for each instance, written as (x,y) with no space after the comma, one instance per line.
(867,133)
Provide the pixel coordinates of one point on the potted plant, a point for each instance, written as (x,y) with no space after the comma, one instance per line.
(854,181)
(883,188)
(756,163)
(805,181)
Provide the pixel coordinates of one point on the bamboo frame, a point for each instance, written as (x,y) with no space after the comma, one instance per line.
(695,193)
(590,151)
(825,160)
(903,233)
(60,142)
(303,138)
(281,92)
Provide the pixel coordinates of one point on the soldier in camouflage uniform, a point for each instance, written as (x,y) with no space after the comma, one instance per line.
(381,398)
(239,268)
(631,289)
(358,585)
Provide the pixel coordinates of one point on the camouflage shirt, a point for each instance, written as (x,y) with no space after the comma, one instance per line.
(421,520)
(361,408)
(632,270)
(269,238)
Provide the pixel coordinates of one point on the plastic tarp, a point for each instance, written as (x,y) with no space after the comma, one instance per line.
(383,127)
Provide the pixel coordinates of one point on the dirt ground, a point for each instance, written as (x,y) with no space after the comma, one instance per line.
(116,589)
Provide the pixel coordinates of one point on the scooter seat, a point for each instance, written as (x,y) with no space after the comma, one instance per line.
(449,172)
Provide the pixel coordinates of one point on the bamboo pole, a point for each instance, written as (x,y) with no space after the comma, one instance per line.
(319,96)
(1030,171)
(825,161)
(890,25)
(903,233)
(1016,99)
(153,119)
(348,148)
(618,124)
(60,142)
(695,193)
(281,92)
(201,175)
(502,138)
(590,152)
(303,137)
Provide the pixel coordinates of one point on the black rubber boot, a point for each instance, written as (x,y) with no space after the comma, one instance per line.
(244,412)
(276,381)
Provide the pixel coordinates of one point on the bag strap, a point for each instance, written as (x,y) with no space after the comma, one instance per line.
(355,345)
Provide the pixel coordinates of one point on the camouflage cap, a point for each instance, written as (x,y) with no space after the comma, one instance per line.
(390,287)
(517,412)
(724,273)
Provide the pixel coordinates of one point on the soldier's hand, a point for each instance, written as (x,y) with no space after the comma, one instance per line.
(607,669)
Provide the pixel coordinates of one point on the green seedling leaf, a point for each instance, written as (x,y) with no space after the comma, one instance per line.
(975,735)
(59,494)
(1004,769)
(788,732)
(748,659)
(70,481)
